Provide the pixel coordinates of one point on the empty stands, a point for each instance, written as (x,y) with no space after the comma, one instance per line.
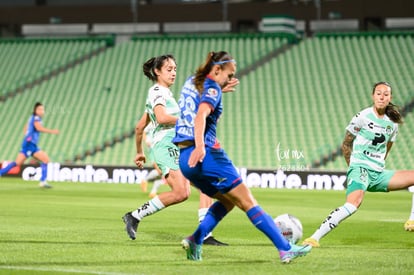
(289,113)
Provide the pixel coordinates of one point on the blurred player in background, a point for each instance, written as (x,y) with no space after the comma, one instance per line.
(368,141)
(409,224)
(208,167)
(162,111)
(32,130)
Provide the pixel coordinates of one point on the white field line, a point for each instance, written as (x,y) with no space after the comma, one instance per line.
(60,270)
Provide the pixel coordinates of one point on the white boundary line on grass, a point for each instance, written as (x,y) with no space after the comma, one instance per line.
(8,267)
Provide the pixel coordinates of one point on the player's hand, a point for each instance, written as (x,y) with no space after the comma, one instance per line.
(140,160)
(196,156)
(231,85)
(55,132)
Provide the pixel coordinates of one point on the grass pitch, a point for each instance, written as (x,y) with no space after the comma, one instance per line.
(76,228)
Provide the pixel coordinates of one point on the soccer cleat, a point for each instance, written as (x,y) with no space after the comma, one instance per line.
(409,225)
(44,184)
(312,242)
(212,241)
(131,225)
(193,250)
(294,252)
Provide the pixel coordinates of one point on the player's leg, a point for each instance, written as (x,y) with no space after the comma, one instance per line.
(180,191)
(219,172)
(21,157)
(157,178)
(166,155)
(216,212)
(151,176)
(156,185)
(243,199)
(409,224)
(336,217)
(355,195)
(402,180)
(204,205)
(43,158)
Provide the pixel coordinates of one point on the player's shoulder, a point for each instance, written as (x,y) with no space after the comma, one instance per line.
(157,89)
(212,89)
(364,112)
(34,118)
(154,89)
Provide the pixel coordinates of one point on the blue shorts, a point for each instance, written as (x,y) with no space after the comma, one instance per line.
(215,174)
(29,148)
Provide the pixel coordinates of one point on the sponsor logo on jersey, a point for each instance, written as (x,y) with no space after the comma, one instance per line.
(211,92)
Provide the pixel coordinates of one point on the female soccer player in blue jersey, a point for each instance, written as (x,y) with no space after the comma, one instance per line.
(32,129)
(207,166)
(368,140)
(162,111)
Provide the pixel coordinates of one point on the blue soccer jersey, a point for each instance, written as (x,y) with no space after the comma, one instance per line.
(189,102)
(32,135)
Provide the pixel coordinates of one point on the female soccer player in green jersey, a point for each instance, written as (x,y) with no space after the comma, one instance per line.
(162,111)
(368,140)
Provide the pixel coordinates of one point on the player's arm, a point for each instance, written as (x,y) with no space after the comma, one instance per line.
(347,146)
(139,132)
(199,152)
(389,145)
(162,116)
(39,127)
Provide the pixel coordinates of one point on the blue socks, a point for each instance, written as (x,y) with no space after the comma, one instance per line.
(257,216)
(14,164)
(44,171)
(215,214)
(7,168)
(265,223)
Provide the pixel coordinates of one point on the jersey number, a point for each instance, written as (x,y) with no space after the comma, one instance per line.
(173,152)
(188,107)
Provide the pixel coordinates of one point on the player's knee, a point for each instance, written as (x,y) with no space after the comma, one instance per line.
(181,195)
(180,192)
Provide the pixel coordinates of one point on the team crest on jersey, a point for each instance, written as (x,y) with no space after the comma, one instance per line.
(212,92)
(388,130)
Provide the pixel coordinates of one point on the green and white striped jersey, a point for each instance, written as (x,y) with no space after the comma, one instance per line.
(371,137)
(159,95)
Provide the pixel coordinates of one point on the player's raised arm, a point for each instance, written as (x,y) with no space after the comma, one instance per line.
(39,127)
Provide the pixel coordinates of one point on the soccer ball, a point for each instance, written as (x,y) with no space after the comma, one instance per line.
(290,227)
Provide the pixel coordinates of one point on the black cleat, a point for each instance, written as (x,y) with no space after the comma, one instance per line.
(131,225)
(212,241)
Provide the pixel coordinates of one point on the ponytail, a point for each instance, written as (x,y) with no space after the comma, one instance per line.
(213,58)
(392,110)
